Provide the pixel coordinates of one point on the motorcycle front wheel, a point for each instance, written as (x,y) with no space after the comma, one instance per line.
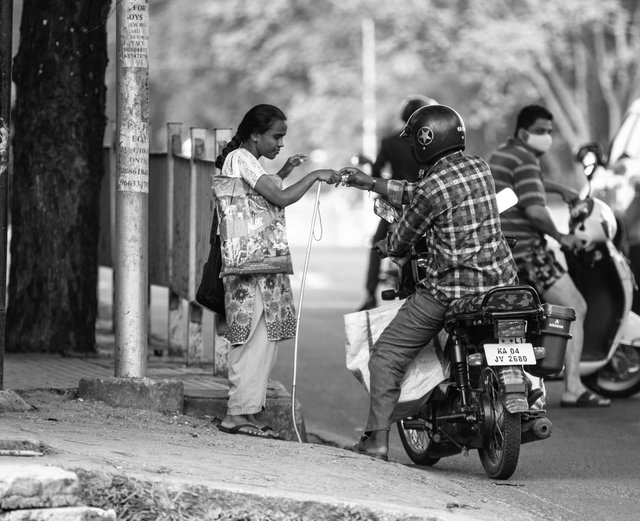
(501,450)
(620,378)
(416,443)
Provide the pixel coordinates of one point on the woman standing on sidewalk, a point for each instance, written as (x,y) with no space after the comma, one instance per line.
(259,308)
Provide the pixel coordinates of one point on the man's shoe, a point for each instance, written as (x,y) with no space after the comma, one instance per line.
(370,303)
(359,448)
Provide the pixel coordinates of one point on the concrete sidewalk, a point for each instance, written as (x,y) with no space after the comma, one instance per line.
(260,479)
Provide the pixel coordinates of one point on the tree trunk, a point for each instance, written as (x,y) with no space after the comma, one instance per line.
(59,117)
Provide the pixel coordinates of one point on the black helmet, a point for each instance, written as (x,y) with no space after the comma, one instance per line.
(433,130)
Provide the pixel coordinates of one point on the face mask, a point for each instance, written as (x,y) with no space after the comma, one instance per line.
(540,142)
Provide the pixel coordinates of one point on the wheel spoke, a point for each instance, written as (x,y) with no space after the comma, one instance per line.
(416,443)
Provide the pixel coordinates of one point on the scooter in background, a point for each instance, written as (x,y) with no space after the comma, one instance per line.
(610,363)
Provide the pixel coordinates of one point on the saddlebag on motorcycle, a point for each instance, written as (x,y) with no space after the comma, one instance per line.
(553,336)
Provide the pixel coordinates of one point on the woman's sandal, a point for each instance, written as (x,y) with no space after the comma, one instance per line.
(268,429)
(587,399)
(247,429)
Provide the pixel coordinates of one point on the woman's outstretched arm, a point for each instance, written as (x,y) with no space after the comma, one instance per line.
(283,197)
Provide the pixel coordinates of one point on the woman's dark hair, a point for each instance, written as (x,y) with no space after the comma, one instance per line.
(529,115)
(258,120)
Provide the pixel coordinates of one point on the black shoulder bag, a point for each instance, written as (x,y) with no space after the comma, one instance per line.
(210,293)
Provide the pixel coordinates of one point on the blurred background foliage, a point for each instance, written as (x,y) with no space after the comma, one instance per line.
(211,60)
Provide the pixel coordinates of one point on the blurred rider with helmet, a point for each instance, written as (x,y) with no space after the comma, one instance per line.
(453,209)
(394,151)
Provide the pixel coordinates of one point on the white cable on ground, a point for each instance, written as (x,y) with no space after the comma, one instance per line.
(295,346)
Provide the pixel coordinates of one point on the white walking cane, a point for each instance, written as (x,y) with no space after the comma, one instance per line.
(316,207)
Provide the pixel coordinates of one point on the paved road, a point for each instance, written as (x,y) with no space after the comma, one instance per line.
(588,469)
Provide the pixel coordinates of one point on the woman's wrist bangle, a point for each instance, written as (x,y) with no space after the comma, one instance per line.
(373,185)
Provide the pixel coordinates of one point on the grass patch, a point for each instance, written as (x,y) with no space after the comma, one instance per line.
(137,500)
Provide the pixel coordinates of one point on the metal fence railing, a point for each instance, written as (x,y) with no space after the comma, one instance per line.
(181,208)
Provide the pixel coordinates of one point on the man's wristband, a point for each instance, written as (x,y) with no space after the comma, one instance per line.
(373,185)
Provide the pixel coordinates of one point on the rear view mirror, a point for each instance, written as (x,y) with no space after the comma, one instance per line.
(385,211)
(590,156)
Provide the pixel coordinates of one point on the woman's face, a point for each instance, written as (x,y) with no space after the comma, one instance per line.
(270,142)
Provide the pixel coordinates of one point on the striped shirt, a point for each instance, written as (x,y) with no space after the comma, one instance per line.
(513,165)
(454,208)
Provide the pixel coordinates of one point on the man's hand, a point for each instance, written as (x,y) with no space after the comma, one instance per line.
(352,176)
(570,242)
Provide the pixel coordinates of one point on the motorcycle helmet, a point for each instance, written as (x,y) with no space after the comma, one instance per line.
(434,130)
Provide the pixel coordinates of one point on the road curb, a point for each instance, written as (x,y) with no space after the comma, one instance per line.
(161,395)
(11,401)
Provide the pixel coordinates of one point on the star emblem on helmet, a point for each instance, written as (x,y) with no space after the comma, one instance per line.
(425,136)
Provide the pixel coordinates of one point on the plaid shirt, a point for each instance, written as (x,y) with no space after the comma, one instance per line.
(454,208)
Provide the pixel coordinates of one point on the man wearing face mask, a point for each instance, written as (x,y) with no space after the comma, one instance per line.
(516,165)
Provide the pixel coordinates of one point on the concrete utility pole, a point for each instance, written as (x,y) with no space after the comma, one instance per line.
(6,32)
(132,190)
(369,139)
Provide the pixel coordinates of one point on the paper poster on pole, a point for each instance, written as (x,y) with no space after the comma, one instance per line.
(134,35)
(133,158)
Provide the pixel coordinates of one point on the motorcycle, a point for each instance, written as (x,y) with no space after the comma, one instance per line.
(610,363)
(488,401)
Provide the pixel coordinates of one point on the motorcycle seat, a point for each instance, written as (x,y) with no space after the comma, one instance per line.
(498,300)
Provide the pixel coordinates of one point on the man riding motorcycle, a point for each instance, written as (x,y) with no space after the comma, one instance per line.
(453,209)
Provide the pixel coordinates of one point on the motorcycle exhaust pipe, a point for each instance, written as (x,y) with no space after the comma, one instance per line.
(538,429)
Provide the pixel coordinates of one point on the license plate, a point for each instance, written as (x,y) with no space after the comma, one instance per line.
(509,354)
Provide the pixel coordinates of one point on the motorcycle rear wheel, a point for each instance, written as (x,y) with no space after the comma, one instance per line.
(503,431)
(620,378)
(416,444)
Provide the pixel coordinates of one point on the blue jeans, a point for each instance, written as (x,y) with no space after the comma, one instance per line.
(417,322)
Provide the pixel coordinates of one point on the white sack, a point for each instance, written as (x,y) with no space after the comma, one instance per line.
(363,328)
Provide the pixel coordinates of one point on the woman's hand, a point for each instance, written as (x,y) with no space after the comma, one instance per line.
(327,175)
(290,164)
(352,176)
